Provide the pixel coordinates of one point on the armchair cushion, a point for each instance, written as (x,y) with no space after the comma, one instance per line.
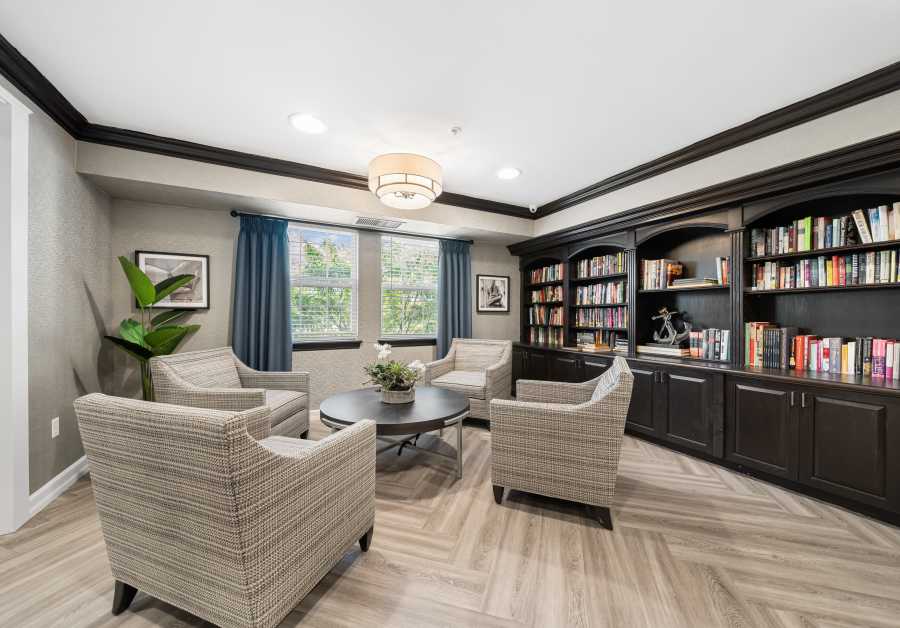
(470,383)
(285,403)
(285,445)
(476,355)
(212,368)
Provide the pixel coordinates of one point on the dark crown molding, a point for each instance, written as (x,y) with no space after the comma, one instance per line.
(859,90)
(873,155)
(29,80)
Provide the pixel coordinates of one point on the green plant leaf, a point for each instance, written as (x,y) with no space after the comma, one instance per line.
(140,283)
(136,351)
(167,286)
(170,338)
(167,317)
(132,331)
(163,334)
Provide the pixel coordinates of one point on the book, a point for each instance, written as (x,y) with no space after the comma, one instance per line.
(859,218)
(673,351)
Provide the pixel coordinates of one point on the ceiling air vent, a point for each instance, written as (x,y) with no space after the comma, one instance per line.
(378,223)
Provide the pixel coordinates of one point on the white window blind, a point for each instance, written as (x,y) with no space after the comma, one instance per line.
(324,283)
(409,275)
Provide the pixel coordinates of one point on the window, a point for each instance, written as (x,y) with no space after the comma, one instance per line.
(323,283)
(409,272)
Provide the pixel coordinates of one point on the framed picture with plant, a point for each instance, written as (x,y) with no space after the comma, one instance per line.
(159,266)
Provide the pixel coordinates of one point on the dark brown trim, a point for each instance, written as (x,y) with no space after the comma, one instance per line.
(872,155)
(29,80)
(409,342)
(322,345)
(859,90)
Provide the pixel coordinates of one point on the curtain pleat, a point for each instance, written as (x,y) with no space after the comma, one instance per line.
(454,294)
(261,315)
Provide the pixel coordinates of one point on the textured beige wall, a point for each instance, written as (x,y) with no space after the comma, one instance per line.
(69,296)
(488,259)
(147,226)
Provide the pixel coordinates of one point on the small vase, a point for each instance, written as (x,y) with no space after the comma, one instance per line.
(398,396)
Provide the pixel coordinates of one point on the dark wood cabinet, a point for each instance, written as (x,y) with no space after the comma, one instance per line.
(594,366)
(519,368)
(688,408)
(761,426)
(640,412)
(850,445)
(566,368)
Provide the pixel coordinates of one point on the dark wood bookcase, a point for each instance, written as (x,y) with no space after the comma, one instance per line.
(834,436)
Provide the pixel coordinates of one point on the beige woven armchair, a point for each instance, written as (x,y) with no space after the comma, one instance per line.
(479,369)
(563,440)
(197,512)
(215,378)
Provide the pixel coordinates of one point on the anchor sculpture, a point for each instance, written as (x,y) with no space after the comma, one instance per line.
(668,335)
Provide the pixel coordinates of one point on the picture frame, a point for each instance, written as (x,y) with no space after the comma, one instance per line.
(159,265)
(492,294)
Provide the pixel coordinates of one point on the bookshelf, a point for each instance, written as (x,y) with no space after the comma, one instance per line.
(598,295)
(543,305)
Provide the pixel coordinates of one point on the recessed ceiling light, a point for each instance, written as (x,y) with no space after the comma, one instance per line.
(307,123)
(508,173)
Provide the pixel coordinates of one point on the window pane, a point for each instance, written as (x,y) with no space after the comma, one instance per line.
(323,283)
(321,312)
(409,270)
(409,312)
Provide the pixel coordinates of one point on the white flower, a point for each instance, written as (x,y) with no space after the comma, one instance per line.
(417,366)
(383,350)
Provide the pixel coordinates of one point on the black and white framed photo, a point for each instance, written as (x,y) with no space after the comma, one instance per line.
(493,293)
(159,266)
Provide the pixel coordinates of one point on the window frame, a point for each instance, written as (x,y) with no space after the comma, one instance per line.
(352,340)
(406,340)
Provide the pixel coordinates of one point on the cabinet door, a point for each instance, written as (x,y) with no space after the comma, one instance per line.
(566,368)
(518,367)
(593,366)
(761,426)
(536,366)
(850,445)
(640,412)
(689,408)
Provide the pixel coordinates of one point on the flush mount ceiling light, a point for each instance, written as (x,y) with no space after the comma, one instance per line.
(307,124)
(404,180)
(508,173)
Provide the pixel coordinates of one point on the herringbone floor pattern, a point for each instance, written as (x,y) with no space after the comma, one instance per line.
(694,545)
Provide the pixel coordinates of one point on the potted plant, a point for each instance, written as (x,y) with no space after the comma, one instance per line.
(396,381)
(152,335)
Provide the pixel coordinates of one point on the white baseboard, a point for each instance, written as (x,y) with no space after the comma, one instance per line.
(58,485)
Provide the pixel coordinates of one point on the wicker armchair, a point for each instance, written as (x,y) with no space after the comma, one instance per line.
(563,440)
(215,378)
(479,369)
(197,512)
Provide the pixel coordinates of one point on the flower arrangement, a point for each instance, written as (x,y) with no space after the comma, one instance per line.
(394,377)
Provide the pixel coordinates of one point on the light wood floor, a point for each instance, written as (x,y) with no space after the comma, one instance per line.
(694,545)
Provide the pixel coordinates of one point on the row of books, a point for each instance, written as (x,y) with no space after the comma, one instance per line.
(547,294)
(873,267)
(659,273)
(546,336)
(875,224)
(554,272)
(609,293)
(601,265)
(710,344)
(769,346)
(602,340)
(544,315)
(602,317)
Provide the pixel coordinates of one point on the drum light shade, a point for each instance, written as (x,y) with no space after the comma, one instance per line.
(404,180)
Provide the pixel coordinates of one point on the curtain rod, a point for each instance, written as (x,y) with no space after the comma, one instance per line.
(320,223)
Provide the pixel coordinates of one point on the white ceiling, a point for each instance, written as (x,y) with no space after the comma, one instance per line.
(569,92)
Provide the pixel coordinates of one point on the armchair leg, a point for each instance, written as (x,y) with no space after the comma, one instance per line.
(498,493)
(122,597)
(366,539)
(602,515)
(305,435)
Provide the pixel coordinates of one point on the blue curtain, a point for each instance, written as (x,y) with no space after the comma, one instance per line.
(261,331)
(454,294)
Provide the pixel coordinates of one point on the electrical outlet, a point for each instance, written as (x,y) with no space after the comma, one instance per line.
(54,427)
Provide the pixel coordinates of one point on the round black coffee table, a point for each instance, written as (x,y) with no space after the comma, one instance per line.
(433,409)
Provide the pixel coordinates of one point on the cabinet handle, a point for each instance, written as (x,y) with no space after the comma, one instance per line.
(802,400)
(792,398)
